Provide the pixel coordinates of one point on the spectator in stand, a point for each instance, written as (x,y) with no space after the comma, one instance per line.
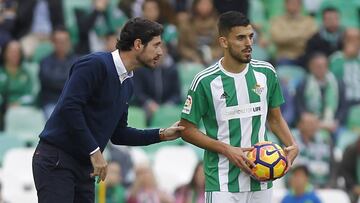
(290,32)
(126,6)
(114,191)
(154,10)
(350,167)
(7,20)
(198,40)
(314,147)
(329,37)
(15,82)
(95,23)
(345,65)
(121,155)
(182,8)
(195,190)
(54,70)
(321,94)
(35,20)
(301,190)
(145,189)
(155,87)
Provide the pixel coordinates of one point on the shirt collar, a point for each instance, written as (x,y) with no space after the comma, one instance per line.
(120,68)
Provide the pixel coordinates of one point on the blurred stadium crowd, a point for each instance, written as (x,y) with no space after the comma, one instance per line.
(313,44)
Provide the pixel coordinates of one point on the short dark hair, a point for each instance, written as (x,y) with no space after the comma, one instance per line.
(138,28)
(60,28)
(4,50)
(314,55)
(229,20)
(302,168)
(329,9)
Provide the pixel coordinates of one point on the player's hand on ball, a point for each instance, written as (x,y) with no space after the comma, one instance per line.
(291,152)
(258,178)
(237,156)
(100,166)
(172,132)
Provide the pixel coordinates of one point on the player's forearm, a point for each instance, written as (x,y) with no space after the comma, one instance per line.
(197,138)
(194,136)
(280,128)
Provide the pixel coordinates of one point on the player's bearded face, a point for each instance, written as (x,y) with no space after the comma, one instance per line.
(239,41)
(151,54)
(239,55)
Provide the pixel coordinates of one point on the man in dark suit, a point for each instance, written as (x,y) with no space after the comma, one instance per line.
(92,110)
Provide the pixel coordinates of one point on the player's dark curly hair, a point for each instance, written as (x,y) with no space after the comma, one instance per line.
(229,20)
(138,28)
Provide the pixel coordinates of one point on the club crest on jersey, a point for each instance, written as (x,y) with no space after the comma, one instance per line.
(187,105)
(258,89)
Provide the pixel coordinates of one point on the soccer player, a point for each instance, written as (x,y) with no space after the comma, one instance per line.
(234,98)
(91,110)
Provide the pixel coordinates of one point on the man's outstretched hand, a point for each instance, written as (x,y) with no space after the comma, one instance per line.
(171,133)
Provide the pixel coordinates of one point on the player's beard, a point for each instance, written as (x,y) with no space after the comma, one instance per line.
(143,62)
(238,57)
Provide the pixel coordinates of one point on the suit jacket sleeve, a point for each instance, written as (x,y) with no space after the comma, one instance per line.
(85,77)
(125,135)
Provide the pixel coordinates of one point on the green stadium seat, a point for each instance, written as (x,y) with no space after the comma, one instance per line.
(165,116)
(136,117)
(187,72)
(33,70)
(291,76)
(274,8)
(24,121)
(8,142)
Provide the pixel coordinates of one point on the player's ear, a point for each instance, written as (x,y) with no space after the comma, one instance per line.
(223,42)
(137,44)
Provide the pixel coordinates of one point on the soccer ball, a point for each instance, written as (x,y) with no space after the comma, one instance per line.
(269,159)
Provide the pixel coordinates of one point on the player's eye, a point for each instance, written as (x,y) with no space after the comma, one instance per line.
(241,37)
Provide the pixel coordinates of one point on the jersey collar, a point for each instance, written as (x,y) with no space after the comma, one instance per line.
(120,68)
(242,73)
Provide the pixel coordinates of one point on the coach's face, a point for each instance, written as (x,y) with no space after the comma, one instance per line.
(151,53)
(238,43)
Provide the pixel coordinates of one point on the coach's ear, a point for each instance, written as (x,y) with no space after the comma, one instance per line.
(138,44)
(223,42)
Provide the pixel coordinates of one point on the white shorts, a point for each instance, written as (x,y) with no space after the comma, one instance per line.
(239,197)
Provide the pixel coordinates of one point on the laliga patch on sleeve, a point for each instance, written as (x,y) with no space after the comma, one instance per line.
(187,105)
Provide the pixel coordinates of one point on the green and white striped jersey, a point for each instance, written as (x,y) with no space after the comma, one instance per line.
(233,108)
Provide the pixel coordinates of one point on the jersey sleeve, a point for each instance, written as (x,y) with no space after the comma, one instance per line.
(195,105)
(276,96)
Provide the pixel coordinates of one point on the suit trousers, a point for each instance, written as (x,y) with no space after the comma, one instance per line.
(60,178)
